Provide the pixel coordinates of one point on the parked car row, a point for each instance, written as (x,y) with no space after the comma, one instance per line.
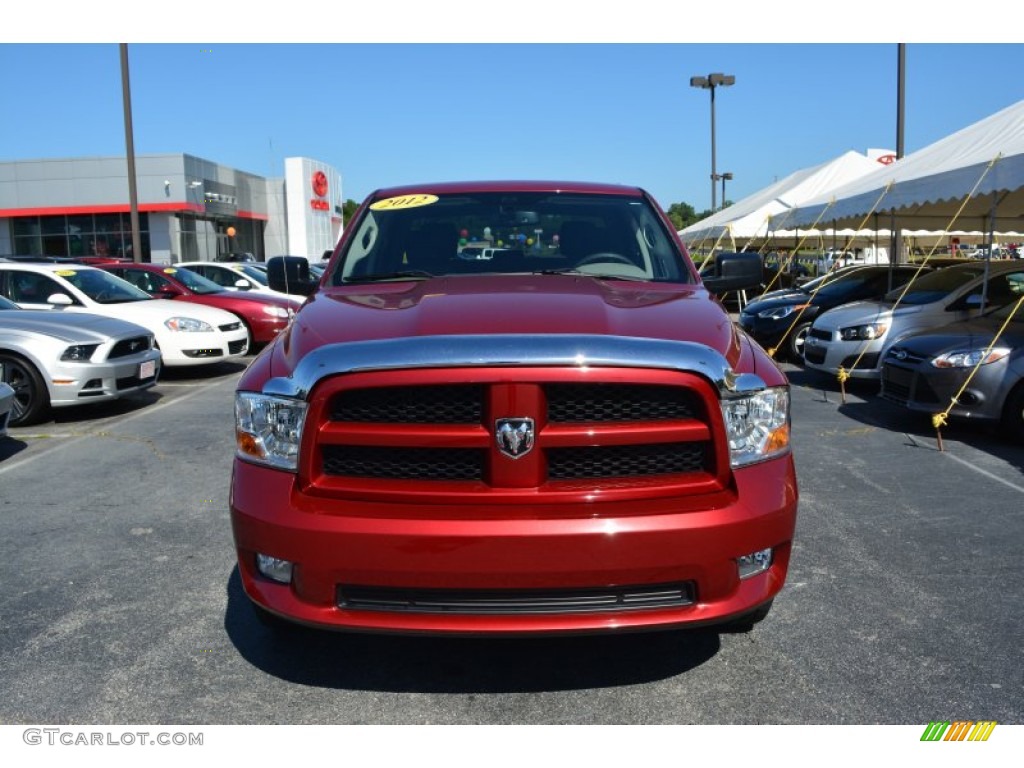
(72,333)
(922,349)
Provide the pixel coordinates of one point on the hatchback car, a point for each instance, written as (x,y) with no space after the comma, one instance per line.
(264,315)
(770,319)
(926,370)
(186,334)
(854,336)
(237,277)
(52,359)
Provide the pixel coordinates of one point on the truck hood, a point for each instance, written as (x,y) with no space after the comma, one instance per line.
(507,304)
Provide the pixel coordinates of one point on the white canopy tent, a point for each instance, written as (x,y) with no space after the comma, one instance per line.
(926,190)
(751,218)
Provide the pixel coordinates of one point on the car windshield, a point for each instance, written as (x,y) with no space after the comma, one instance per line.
(423,236)
(936,285)
(193,280)
(103,287)
(256,274)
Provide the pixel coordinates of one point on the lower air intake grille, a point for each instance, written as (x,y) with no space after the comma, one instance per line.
(506,602)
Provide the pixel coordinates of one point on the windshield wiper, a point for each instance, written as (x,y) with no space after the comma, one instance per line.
(595,275)
(407,274)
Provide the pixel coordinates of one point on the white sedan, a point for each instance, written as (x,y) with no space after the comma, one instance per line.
(186,334)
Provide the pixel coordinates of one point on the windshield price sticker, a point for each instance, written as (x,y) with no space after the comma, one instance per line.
(405,201)
(170,271)
(65,273)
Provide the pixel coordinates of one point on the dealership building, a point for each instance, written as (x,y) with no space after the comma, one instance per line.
(189,208)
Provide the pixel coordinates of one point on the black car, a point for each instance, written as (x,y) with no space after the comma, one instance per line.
(769,318)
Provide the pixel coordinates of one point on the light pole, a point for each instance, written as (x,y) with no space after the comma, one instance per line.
(709,83)
(724,177)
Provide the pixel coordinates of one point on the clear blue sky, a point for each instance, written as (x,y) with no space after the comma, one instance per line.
(386,114)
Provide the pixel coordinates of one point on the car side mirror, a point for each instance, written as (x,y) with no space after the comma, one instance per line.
(735,272)
(59,300)
(242,285)
(168,292)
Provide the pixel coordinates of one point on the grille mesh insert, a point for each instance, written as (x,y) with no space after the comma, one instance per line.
(625,460)
(619,402)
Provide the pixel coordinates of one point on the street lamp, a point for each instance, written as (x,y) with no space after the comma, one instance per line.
(709,83)
(724,177)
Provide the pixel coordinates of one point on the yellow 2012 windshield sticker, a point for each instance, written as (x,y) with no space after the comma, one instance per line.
(404,201)
(65,272)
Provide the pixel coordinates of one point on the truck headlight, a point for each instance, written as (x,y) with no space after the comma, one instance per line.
(268,429)
(188,324)
(968,358)
(757,425)
(864,332)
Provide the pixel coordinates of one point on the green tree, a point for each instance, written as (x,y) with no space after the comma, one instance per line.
(348,209)
(683,215)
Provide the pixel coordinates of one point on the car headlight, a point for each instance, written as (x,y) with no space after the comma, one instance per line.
(79,353)
(268,429)
(757,425)
(188,325)
(780,312)
(969,358)
(863,332)
(277,311)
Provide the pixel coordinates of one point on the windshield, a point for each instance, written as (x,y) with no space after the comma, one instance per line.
(193,280)
(423,236)
(937,285)
(256,274)
(103,287)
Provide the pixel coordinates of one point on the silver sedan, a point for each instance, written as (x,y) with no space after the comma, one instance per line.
(54,360)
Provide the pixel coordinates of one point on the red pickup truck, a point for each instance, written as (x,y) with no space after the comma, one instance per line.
(570,436)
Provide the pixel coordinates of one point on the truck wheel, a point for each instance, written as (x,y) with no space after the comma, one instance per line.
(1013,414)
(796,342)
(31,398)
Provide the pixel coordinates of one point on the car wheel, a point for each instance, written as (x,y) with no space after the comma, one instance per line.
(1013,414)
(746,622)
(31,398)
(796,342)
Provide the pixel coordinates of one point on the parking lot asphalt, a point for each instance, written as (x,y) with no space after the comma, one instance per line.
(121,602)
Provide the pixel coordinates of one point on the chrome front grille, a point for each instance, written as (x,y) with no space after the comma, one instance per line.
(409,438)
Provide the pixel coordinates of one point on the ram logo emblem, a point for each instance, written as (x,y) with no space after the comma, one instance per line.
(514,436)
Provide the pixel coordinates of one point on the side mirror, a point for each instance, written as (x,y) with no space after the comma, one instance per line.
(735,272)
(168,292)
(290,274)
(242,285)
(59,300)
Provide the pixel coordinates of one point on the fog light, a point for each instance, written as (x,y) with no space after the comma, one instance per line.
(274,568)
(754,563)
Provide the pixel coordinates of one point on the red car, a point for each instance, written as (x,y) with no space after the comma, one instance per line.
(564,435)
(264,315)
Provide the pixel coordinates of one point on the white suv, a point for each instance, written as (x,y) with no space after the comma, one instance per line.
(187,334)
